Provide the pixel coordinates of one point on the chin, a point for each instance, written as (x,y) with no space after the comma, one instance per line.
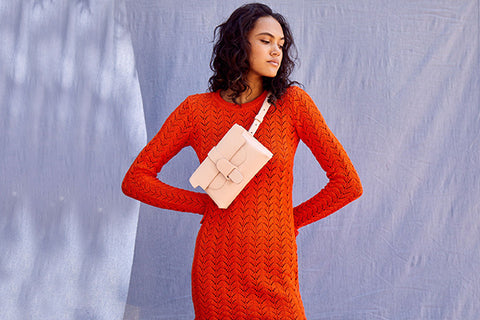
(270,74)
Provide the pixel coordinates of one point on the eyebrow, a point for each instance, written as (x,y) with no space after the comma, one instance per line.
(268,34)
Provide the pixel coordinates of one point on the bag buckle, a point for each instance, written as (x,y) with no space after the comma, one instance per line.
(229,171)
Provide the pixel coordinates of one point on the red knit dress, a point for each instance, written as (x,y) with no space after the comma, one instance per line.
(245,262)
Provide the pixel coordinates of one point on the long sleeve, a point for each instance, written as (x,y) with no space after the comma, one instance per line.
(344,183)
(141,180)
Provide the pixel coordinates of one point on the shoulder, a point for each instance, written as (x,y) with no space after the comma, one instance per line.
(296,98)
(195,103)
(296,91)
(200,99)
(191,106)
(301,105)
(295,95)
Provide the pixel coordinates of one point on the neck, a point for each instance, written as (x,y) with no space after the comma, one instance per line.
(256,90)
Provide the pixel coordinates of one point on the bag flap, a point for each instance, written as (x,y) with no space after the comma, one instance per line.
(256,144)
(231,141)
(204,174)
(227,147)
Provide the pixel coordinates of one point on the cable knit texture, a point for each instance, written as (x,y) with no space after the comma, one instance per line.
(245,262)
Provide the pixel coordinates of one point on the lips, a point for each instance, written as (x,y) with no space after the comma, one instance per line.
(276,63)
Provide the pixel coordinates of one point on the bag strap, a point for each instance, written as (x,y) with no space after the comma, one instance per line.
(259,117)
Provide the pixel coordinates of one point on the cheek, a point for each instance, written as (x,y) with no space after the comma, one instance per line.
(255,52)
(255,55)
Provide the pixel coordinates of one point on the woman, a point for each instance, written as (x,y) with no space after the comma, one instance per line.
(245,262)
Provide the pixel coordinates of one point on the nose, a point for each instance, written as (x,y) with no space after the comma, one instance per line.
(276,51)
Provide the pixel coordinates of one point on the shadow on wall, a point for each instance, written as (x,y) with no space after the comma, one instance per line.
(71,115)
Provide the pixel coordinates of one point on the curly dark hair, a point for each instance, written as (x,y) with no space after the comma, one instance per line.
(229,61)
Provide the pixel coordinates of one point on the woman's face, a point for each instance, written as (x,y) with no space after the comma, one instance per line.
(266,41)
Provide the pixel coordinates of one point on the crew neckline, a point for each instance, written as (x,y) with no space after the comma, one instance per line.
(255,102)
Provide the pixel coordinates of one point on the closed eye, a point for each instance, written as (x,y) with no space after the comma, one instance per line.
(280,46)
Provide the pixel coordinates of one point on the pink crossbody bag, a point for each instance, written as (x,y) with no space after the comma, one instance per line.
(233,162)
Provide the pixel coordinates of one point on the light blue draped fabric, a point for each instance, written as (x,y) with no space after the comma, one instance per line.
(397,82)
(71,121)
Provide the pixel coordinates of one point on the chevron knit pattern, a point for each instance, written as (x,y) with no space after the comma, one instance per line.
(245,263)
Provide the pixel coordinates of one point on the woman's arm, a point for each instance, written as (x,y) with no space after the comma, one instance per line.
(141,180)
(344,183)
